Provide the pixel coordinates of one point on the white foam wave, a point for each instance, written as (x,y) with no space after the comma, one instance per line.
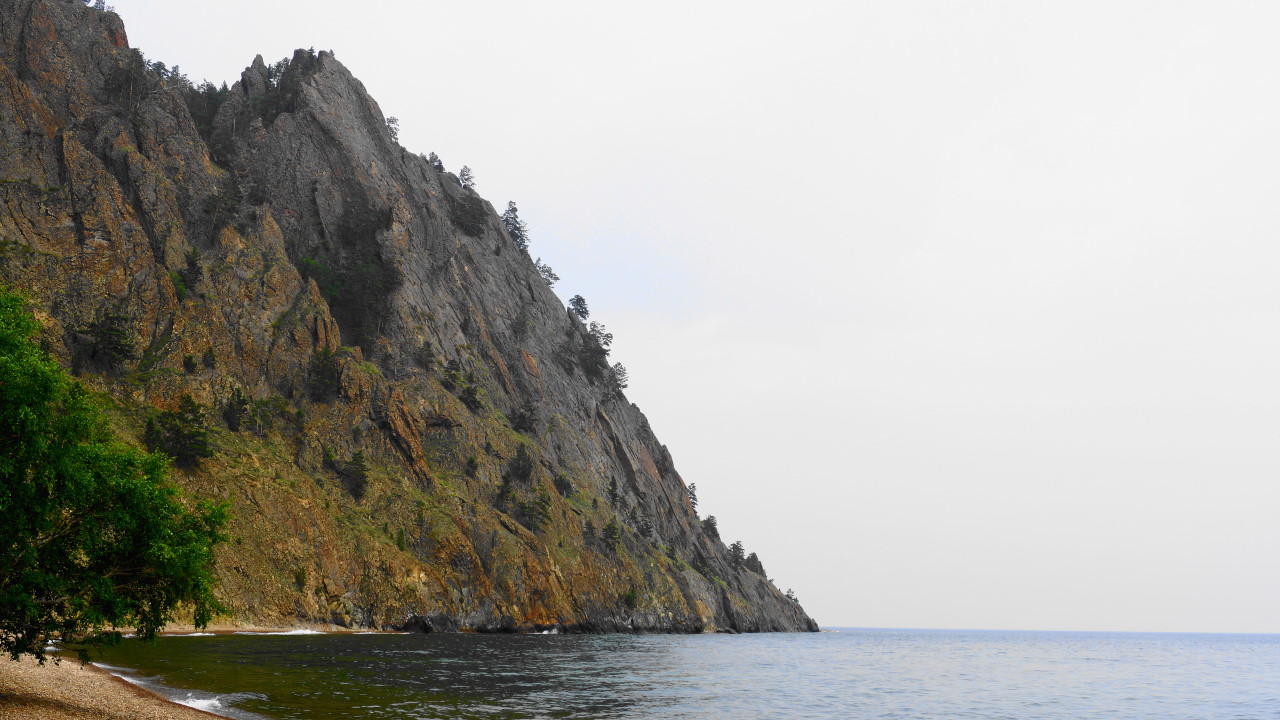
(206,704)
(193,634)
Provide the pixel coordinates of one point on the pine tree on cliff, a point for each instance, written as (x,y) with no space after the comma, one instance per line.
(182,434)
(110,345)
(603,337)
(618,381)
(579,307)
(516,229)
(710,527)
(465,178)
(546,272)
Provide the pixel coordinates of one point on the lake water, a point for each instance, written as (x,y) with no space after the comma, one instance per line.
(848,674)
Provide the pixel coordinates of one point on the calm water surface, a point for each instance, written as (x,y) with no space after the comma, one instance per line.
(846,674)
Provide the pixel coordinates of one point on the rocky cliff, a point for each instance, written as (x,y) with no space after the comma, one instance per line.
(410,428)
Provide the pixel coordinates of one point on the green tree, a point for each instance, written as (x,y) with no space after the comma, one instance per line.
(618,381)
(710,527)
(110,343)
(525,418)
(602,337)
(578,305)
(612,534)
(92,536)
(181,433)
(546,272)
(235,410)
(356,473)
(516,229)
(324,375)
(737,554)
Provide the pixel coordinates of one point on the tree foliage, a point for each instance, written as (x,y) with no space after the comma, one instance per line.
(737,554)
(324,374)
(619,380)
(92,537)
(516,229)
(182,434)
(710,527)
(524,419)
(203,102)
(602,337)
(235,410)
(578,305)
(356,473)
(110,341)
(611,534)
(466,178)
(546,272)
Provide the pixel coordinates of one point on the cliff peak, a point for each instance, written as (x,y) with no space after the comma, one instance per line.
(410,427)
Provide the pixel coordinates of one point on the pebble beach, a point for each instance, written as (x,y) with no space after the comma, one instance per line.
(71,691)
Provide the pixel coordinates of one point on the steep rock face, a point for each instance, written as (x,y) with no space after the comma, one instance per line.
(427,437)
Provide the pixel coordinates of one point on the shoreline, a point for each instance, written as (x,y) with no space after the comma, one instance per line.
(67,690)
(71,691)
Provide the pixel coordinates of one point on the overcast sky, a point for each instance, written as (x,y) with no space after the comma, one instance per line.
(960,314)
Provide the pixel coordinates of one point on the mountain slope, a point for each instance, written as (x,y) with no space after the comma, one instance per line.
(412,430)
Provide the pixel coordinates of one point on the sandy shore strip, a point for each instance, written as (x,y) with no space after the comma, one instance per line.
(69,691)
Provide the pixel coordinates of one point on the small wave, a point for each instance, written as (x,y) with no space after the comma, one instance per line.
(552,631)
(206,704)
(193,634)
(224,704)
(128,675)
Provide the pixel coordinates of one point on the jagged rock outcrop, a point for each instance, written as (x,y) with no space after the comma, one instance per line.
(411,429)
